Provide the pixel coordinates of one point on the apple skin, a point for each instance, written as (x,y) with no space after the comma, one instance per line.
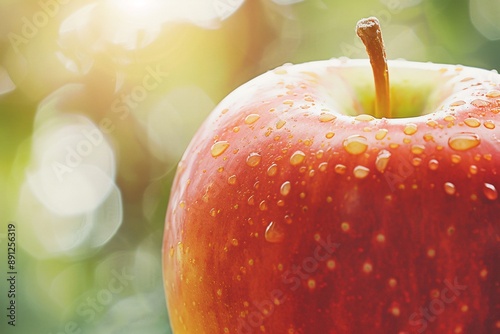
(282,219)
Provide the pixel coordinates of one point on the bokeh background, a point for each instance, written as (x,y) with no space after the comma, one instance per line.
(99,99)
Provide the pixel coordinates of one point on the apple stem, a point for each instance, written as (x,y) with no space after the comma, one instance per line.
(368,30)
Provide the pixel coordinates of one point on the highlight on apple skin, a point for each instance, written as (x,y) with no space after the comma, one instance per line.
(296,210)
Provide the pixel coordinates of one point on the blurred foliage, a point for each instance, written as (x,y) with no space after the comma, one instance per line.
(99,99)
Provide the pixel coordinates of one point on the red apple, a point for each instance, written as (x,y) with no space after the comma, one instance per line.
(300,206)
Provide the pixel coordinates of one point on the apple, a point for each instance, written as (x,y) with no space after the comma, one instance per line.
(317,198)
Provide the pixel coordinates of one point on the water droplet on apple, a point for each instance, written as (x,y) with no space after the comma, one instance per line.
(432,123)
(490,191)
(449,188)
(428,137)
(433,164)
(308,98)
(455,158)
(473,169)
(355,144)
(364,118)
(382,160)
(251,200)
(464,141)
(272,170)
(489,124)
(457,103)
(329,135)
(410,129)
(493,93)
(285,188)
(297,158)
(322,166)
(253,159)
(263,206)
(472,122)
(360,172)
(480,103)
(288,219)
(252,118)
(274,233)
(450,118)
(326,117)
(381,133)
(280,123)
(417,149)
(416,162)
(340,169)
(218,148)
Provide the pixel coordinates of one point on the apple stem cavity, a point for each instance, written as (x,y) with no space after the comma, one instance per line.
(368,30)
